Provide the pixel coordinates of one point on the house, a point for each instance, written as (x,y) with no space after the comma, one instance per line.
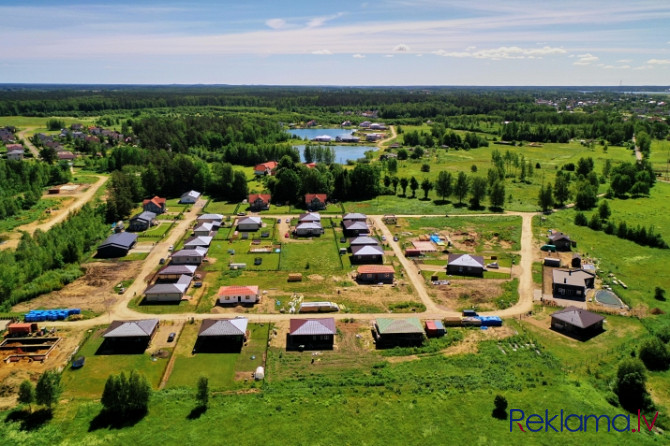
(259,202)
(11,147)
(577,322)
(377,126)
(174,272)
(353,228)
(65,156)
(189,197)
(371,137)
(15,154)
(203,229)
(561,241)
(363,241)
(367,254)
(168,292)
(354,216)
(239,294)
(347,138)
(398,332)
(142,221)
(249,224)
(311,334)
(310,217)
(576,261)
(116,245)
(189,256)
(364,124)
(315,201)
(308,229)
(128,336)
(267,168)
(323,138)
(375,274)
(571,284)
(465,265)
(155,205)
(215,219)
(221,335)
(198,241)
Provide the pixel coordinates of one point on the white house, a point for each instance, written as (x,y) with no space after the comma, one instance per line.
(15,154)
(190,197)
(308,229)
(249,224)
(239,294)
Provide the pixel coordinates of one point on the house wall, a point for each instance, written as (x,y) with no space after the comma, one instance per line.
(190,260)
(245,299)
(167,297)
(203,233)
(111,252)
(366,259)
(564,290)
(151,207)
(138,225)
(465,270)
(321,342)
(376,278)
(248,227)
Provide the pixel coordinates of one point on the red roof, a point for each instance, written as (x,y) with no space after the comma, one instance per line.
(237,290)
(310,165)
(264,197)
(375,269)
(158,201)
(269,165)
(321,197)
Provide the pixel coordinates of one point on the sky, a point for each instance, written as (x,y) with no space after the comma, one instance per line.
(343,42)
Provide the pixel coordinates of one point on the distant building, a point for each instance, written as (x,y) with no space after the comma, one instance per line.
(259,202)
(267,168)
(189,197)
(315,202)
(116,245)
(15,154)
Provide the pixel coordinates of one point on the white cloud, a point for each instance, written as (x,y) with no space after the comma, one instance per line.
(586,59)
(276,23)
(643,67)
(401,48)
(658,62)
(322,52)
(388,55)
(358,56)
(504,52)
(318,21)
(624,60)
(613,67)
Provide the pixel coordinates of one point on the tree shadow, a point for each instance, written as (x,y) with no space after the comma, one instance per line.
(499,414)
(476,207)
(459,205)
(30,421)
(196,412)
(441,202)
(424,199)
(495,209)
(106,419)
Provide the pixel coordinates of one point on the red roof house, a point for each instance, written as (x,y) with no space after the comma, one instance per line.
(156,205)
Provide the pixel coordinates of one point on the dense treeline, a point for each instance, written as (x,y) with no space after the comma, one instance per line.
(21,184)
(46,261)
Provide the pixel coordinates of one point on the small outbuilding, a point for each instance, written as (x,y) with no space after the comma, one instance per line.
(465,265)
(576,261)
(577,322)
(552,261)
(398,332)
(311,334)
(116,245)
(221,335)
(561,241)
(435,329)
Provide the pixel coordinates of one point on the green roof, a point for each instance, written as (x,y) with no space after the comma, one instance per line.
(396,326)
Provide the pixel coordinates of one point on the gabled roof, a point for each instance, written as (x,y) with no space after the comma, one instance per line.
(309,225)
(367,250)
(158,201)
(354,216)
(269,165)
(310,197)
(147,216)
(216,217)
(375,269)
(131,329)
(206,226)
(312,327)
(168,288)
(466,260)
(238,290)
(121,239)
(309,217)
(199,251)
(559,236)
(399,326)
(250,221)
(178,269)
(224,327)
(363,240)
(356,225)
(200,240)
(575,277)
(265,198)
(191,194)
(578,317)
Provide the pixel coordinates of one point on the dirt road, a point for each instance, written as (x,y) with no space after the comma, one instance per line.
(23,135)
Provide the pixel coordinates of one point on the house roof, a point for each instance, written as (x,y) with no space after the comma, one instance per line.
(355,225)
(147,216)
(578,317)
(556,236)
(367,250)
(309,217)
(177,269)
(363,240)
(158,201)
(466,260)
(250,221)
(192,193)
(204,217)
(131,329)
(269,165)
(312,327)
(424,246)
(65,155)
(179,286)
(375,269)
(199,251)
(206,226)
(224,327)
(354,216)
(265,198)
(575,277)
(309,225)
(238,290)
(14,151)
(310,197)
(199,240)
(121,239)
(399,326)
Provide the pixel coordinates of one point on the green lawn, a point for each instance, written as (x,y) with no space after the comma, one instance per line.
(220,207)
(155,233)
(37,212)
(138,304)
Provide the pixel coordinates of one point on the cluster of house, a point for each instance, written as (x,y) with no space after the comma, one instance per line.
(309,225)
(92,134)
(15,152)
(49,141)
(572,282)
(364,249)
(7,134)
(151,208)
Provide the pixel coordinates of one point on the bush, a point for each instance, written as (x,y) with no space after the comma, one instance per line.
(500,407)
(655,354)
(580,219)
(425,167)
(631,385)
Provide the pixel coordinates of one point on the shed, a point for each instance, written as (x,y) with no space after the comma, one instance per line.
(116,245)
(434,329)
(21,328)
(398,332)
(561,241)
(576,261)
(311,334)
(552,261)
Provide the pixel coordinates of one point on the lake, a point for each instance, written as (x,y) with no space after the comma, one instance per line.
(342,153)
(313,133)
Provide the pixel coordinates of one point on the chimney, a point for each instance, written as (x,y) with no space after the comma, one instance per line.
(570,273)
(565,280)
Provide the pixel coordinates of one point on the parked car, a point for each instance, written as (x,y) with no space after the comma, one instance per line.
(171,248)
(258,260)
(493,265)
(78,363)
(279,220)
(197,285)
(241,214)
(171,336)
(288,220)
(383,238)
(343,240)
(161,261)
(395,238)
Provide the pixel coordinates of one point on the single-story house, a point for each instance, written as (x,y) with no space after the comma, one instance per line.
(116,245)
(308,229)
(353,228)
(375,274)
(316,201)
(221,335)
(267,168)
(174,272)
(168,292)
(561,241)
(578,322)
(465,264)
(189,256)
(367,254)
(311,334)
(259,202)
(215,219)
(310,217)
(571,284)
(203,229)
(249,224)
(239,294)
(198,241)
(398,332)
(363,241)
(15,154)
(354,216)
(189,197)
(142,221)
(128,336)
(155,204)
(65,156)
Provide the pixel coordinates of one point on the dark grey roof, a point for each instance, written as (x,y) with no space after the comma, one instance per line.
(130,329)
(179,286)
(559,236)
(367,250)
(121,239)
(578,317)
(199,240)
(363,240)
(145,216)
(356,225)
(199,251)
(178,269)
(354,216)
(575,277)
(223,327)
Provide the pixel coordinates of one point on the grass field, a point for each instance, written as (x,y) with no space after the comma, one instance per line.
(24,217)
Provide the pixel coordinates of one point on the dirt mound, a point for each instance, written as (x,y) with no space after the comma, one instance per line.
(315,277)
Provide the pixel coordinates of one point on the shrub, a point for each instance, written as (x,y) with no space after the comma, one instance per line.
(655,354)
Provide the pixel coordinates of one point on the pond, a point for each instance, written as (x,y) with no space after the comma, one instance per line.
(342,153)
(313,133)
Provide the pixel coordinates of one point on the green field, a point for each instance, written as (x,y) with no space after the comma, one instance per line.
(35,213)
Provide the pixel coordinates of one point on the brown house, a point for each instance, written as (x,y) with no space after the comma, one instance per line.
(561,241)
(577,322)
(311,334)
(375,274)
(315,201)
(155,205)
(571,284)
(259,202)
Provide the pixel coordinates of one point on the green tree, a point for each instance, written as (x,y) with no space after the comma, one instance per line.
(404,182)
(114,394)
(27,394)
(497,195)
(202,394)
(477,191)
(139,393)
(631,385)
(48,155)
(604,210)
(392,165)
(402,154)
(48,388)
(239,189)
(586,197)
(413,185)
(462,186)
(561,190)
(500,407)
(655,354)
(546,198)
(643,141)
(659,293)
(443,184)
(580,219)
(426,186)
(394,181)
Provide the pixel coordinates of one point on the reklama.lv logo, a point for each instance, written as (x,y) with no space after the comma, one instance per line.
(577,423)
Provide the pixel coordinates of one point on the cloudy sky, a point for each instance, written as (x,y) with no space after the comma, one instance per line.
(343,42)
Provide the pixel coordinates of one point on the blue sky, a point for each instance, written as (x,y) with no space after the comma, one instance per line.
(384,42)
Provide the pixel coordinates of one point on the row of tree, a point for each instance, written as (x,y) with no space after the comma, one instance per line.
(645,236)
